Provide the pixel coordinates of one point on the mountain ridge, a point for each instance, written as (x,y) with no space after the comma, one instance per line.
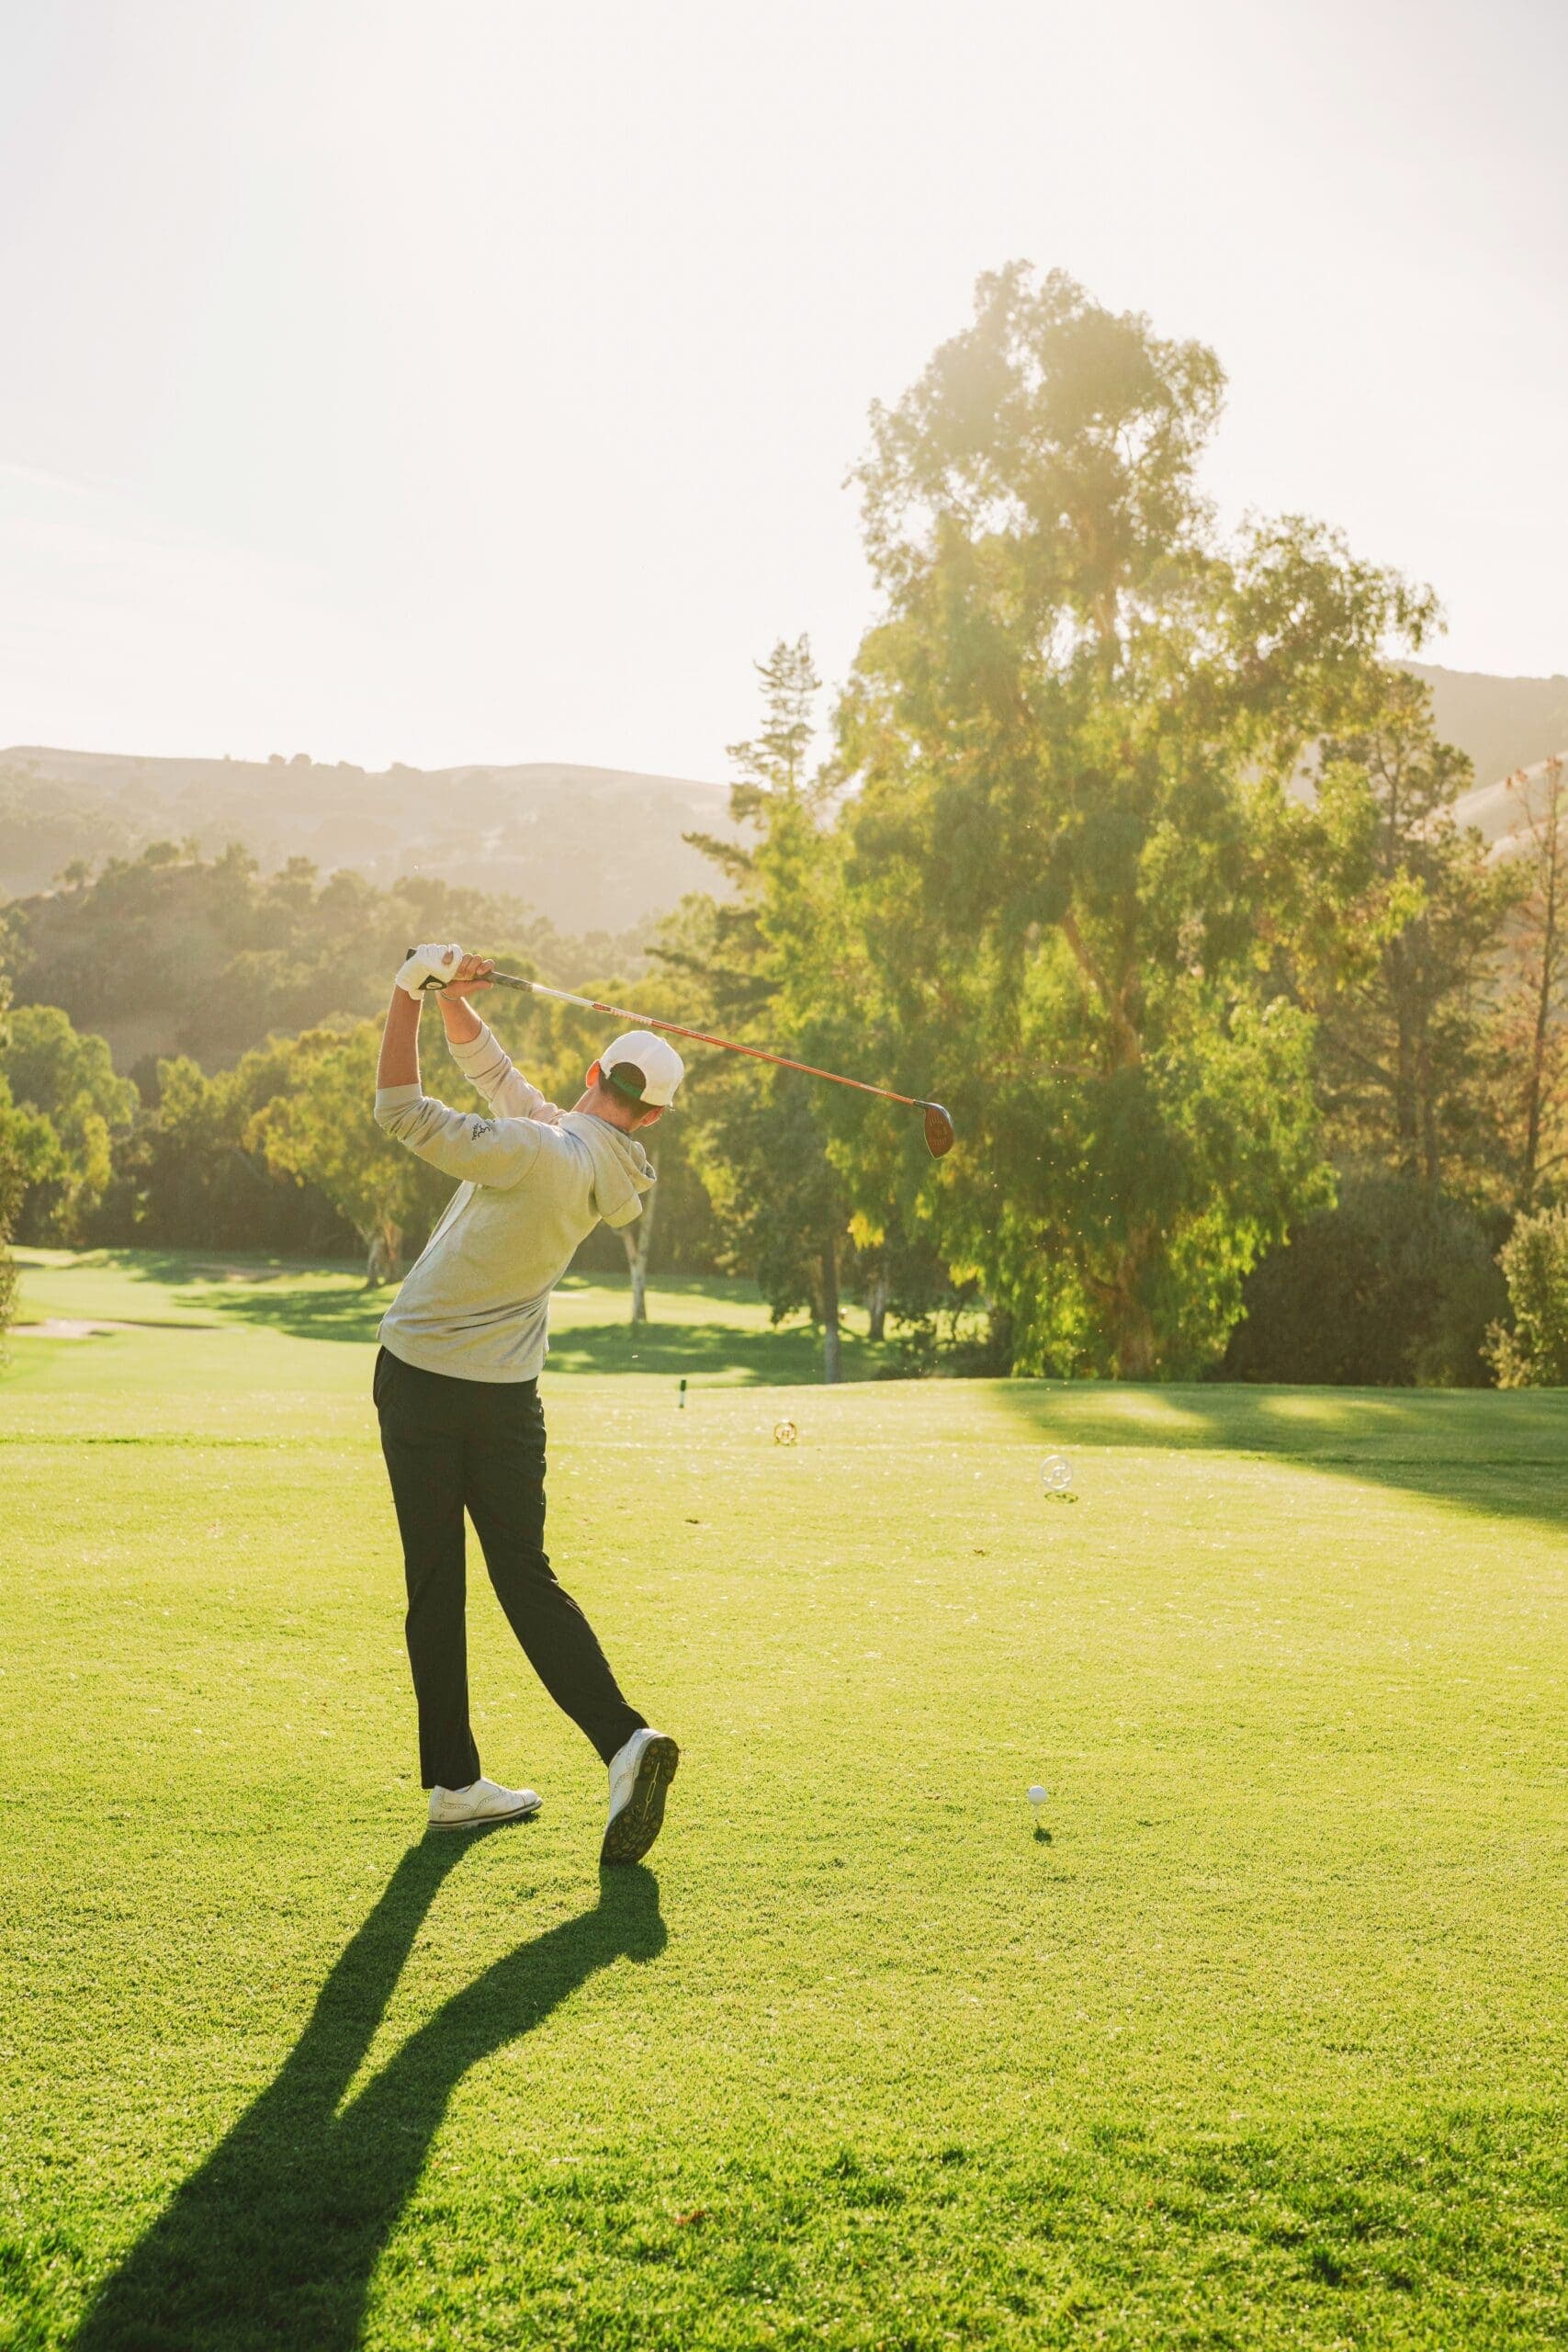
(1503,724)
(594,847)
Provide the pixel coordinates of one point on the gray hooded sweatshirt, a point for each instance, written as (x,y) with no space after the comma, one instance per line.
(535,1182)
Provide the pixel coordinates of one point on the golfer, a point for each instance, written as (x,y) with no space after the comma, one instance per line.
(458,1381)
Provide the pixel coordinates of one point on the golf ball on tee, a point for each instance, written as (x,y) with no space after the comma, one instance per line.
(1037,1796)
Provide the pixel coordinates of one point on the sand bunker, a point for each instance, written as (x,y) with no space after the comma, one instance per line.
(64,1326)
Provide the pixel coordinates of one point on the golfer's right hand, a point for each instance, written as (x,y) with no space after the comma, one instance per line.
(472,973)
(426,969)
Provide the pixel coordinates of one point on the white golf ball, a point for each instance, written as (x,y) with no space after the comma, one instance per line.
(1037,1795)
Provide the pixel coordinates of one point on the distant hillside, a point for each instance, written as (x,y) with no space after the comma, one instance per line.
(593,848)
(1507,726)
(1500,811)
(1503,723)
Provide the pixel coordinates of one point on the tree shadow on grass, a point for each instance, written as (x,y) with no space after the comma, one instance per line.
(302,1313)
(1503,1454)
(690,1337)
(716,1350)
(274,2240)
(275,1296)
(279,1294)
(696,1350)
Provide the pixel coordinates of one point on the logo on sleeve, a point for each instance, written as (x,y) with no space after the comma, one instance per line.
(478,1128)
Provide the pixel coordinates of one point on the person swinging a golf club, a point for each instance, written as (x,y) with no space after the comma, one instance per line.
(456,1384)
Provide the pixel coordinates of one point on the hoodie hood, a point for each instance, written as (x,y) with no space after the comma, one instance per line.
(621,1171)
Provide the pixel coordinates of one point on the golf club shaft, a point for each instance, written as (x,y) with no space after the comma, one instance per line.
(700,1038)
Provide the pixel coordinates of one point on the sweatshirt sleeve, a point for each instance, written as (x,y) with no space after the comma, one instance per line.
(487,1065)
(475,1151)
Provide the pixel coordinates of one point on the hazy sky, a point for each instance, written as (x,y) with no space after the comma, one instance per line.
(446,379)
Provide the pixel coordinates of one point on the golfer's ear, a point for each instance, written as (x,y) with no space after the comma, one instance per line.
(653,1112)
(593,1075)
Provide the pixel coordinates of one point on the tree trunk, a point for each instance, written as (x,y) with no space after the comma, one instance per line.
(637,1264)
(1536,1084)
(1134,1340)
(1407,1108)
(1000,1341)
(384,1261)
(876,1306)
(636,1254)
(1134,1351)
(830,1311)
(1431,1144)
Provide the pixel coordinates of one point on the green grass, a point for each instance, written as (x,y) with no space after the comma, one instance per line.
(704,1331)
(1264,2046)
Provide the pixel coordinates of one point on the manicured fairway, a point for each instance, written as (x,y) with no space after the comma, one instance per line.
(1265,2045)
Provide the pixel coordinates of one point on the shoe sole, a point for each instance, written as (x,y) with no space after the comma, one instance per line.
(642,1818)
(488,1820)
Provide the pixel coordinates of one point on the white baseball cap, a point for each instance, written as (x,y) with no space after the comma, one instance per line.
(642,1067)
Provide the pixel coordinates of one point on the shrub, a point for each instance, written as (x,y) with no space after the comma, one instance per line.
(1534,1260)
(1395,1287)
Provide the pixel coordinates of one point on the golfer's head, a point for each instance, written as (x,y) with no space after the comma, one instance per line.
(637,1076)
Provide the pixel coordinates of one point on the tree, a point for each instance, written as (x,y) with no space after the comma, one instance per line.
(1074,730)
(69,1080)
(1530,1031)
(171,953)
(29,1151)
(1400,996)
(781,1204)
(778,1199)
(187,1178)
(13,1186)
(1534,1353)
(636,1238)
(321,1129)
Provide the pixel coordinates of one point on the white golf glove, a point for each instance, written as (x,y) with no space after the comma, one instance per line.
(428,967)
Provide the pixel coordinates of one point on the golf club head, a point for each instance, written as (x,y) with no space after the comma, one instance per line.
(939,1130)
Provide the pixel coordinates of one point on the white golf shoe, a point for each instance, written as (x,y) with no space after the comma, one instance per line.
(639,1774)
(481,1802)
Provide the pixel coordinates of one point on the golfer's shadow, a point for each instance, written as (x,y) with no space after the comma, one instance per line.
(274,2240)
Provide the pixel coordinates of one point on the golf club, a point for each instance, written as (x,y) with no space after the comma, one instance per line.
(938,1125)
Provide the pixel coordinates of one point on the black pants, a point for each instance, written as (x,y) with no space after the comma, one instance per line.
(479,1445)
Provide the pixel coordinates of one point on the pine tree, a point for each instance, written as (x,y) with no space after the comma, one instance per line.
(764,1157)
(1530,1039)
(1403,1018)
